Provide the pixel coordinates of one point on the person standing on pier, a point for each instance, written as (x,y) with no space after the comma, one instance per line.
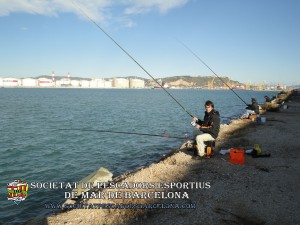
(208,129)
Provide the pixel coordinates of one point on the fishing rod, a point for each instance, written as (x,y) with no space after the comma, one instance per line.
(211,70)
(131,57)
(123,132)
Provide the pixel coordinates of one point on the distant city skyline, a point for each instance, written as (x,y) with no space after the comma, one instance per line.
(207,82)
(256,41)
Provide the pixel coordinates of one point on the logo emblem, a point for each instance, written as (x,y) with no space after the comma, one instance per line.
(17,191)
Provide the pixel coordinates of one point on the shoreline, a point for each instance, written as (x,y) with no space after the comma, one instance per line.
(144,88)
(237,193)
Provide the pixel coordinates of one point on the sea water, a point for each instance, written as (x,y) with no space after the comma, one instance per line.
(37,143)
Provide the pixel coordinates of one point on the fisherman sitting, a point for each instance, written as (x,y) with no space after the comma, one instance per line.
(267,99)
(252,109)
(208,129)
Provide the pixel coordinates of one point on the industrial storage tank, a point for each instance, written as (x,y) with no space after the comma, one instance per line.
(85,83)
(29,82)
(97,83)
(45,82)
(64,82)
(108,84)
(100,83)
(75,83)
(11,82)
(93,83)
(136,83)
(120,83)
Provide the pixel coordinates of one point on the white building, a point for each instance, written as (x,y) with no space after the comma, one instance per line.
(45,82)
(100,83)
(136,83)
(75,83)
(11,82)
(29,82)
(108,84)
(93,83)
(1,82)
(85,83)
(97,83)
(64,82)
(120,83)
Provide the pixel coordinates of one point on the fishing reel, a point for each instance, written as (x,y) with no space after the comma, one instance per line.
(193,123)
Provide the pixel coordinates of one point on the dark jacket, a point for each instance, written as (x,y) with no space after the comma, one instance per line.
(211,120)
(254,106)
(267,99)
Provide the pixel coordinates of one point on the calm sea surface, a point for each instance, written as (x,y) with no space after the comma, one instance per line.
(32,147)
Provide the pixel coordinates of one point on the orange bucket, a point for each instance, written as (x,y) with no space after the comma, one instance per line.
(237,156)
(253,117)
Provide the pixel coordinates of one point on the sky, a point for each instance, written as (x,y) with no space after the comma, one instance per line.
(248,41)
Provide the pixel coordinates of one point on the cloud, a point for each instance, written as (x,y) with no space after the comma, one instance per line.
(144,6)
(99,10)
(94,8)
(130,23)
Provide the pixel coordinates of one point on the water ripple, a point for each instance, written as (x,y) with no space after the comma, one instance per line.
(33,148)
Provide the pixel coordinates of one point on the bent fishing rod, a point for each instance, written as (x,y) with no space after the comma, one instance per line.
(131,57)
(211,70)
(123,132)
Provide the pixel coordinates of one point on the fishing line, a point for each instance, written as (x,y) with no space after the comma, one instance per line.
(123,132)
(113,40)
(211,70)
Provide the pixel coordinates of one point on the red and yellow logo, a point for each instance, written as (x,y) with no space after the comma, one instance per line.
(17,191)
